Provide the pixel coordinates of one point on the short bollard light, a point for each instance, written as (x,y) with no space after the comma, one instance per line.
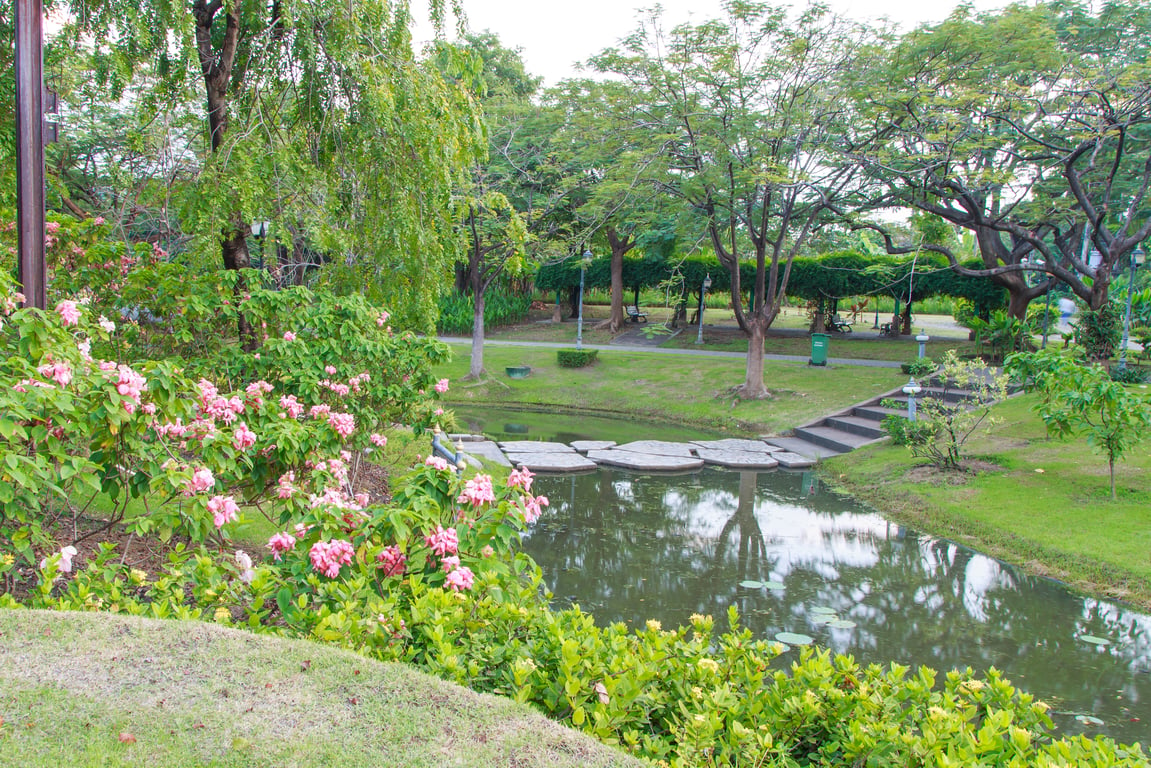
(922,338)
(911,390)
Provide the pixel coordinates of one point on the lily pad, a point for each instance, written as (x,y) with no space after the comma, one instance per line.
(751,584)
(842,624)
(1089,720)
(821,618)
(821,609)
(1100,641)
(776,585)
(794,638)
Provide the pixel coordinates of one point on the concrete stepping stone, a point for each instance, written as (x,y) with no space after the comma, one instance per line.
(656,448)
(535,446)
(583,446)
(789,460)
(464,437)
(736,444)
(738,459)
(486,451)
(645,461)
(552,462)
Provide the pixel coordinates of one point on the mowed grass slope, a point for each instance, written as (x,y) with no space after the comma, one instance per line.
(1041,503)
(670,388)
(87,689)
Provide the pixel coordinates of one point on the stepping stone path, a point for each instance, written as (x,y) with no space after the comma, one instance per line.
(639,455)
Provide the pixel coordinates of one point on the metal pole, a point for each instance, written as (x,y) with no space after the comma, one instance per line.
(1046,317)
(33,273)
(1127,314)
(579,321)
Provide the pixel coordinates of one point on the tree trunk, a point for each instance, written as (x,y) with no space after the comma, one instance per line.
(476,370)
(235,251)
(619,248)
(753,387)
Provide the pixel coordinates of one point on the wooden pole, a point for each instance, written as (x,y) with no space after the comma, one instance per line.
(33,273)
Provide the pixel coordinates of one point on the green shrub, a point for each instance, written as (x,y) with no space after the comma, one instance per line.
(919,367)
(457,311)
(1128,374)
(904,431)
(576,358)
(1099,332)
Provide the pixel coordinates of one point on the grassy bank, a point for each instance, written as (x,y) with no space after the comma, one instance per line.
(1039,503)
(121,691)
(675,389)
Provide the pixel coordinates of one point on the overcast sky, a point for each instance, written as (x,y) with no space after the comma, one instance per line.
(555,35)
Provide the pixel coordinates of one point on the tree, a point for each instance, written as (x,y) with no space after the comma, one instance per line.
(1029,127)
(744,110)
(318,118)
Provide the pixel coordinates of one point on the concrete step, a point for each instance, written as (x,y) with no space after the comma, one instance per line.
(876,413)
(856,425)
(802,447)
(835,439)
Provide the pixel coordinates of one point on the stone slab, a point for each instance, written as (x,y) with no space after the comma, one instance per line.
(486,451)
(802,447)
(657,448)
(645,461)
(736,444)
(789,460)
(552,462)
(738,459)
(464,437)
(535,446)
(583,446)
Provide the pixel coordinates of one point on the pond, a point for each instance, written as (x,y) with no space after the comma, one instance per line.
(794,557)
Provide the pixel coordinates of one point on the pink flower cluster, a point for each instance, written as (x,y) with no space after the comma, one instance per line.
(328,556)
(69,312)
(436,462)
(478,491)
(442,386)
(391,561)
(61,372)
(130,385)
(343,390)
(358,381)
(292,407)
(521,478)
(243,438)
(223,509)
(286,490)
(382,319)
(460,579)
(256,391)
(443,541)
(533,508)
(289,336)
(281,543)
(201,481)
(343,423)
(378,440)
(316,411)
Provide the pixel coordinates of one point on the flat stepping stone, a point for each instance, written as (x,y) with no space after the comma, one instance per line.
(464,437)
(736,444)
(645,461)
(486,451)
(738,459)
(583,446)
(789,460)
(552,462)
(656,448)
(535,446)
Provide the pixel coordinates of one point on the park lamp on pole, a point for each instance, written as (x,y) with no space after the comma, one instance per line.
(911,389)
(702,304)
(260,228)
(922,338)
(1137,259)
(579,322)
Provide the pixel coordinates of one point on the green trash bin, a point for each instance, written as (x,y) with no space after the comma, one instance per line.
(819,348)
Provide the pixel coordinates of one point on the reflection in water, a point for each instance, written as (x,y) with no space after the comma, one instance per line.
(633,547)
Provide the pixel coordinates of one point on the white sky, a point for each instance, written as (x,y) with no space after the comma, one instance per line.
(555,35)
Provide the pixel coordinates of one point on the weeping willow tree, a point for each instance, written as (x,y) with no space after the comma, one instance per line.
(318,117)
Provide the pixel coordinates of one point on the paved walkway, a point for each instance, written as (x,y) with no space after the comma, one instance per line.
(663,351)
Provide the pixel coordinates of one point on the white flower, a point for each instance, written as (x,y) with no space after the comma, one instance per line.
(107,324)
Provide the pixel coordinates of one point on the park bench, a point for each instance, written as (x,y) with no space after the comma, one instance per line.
(634,315)
(837,324)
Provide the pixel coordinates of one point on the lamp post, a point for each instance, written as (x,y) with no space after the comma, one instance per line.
(579,321)
(702,304)
(911,389)
(1137,257)
(922,338)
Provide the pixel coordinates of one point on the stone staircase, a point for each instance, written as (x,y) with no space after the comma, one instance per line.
(855,426)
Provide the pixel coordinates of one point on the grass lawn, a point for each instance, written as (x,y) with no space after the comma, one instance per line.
(674,389)
(100,689)
(1043,504)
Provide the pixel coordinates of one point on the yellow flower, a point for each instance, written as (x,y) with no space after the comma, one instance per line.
(222,614)
(137,576)
(708,665)
(653,625)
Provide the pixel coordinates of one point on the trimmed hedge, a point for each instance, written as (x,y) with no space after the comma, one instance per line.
(576,358)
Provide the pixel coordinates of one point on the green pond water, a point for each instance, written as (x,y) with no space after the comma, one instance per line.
(796,558)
